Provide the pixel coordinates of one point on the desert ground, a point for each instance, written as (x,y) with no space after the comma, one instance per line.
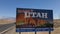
(12,29)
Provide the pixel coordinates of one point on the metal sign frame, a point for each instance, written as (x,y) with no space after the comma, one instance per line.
(42,11)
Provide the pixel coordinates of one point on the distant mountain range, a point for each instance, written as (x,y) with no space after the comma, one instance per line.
(6,20)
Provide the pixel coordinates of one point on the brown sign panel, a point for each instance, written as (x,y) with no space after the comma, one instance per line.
(34,18)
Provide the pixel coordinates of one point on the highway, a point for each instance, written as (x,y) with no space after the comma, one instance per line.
(5,27)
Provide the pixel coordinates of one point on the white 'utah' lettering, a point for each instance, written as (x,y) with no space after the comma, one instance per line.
(35,14)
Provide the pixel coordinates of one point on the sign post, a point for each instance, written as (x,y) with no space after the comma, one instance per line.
(34,20)
(35,32)
(19,32)
(49,32)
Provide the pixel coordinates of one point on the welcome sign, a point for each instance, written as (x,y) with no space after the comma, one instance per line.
(28,20)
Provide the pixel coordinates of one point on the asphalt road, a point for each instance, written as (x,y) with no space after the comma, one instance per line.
(5,26)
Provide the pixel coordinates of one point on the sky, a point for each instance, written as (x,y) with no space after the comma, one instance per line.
(8,7)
